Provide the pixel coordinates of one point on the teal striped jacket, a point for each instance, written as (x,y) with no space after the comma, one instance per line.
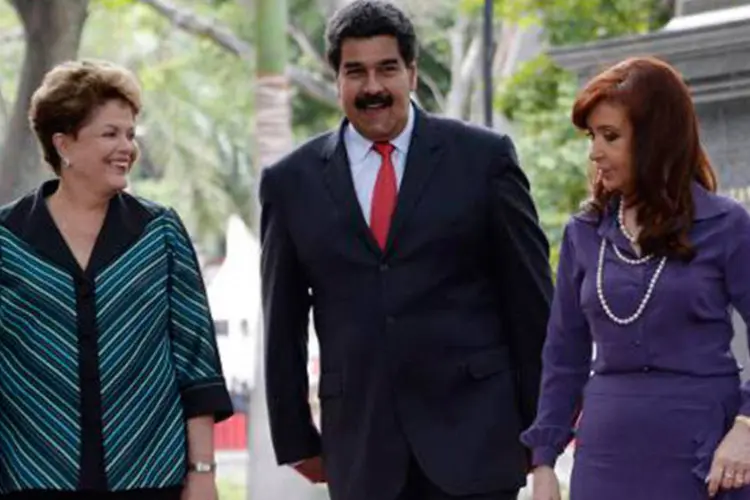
(101,367)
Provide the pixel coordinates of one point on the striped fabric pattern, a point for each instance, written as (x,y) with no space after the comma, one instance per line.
(155,341)
(39,391)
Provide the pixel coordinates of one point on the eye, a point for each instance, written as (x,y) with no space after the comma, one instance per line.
(110,133)
(354,71)
(610,136)
(590,135)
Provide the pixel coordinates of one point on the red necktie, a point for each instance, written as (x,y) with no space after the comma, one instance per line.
(384,195)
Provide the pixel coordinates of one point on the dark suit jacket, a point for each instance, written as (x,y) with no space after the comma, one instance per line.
(431,348)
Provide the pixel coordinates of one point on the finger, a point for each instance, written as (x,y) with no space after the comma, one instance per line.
(739,479)
(714,479)
(727,480)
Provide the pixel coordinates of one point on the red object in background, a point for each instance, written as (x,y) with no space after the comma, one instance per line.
(231,434)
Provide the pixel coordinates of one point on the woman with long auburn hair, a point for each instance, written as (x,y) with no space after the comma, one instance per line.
(649,272)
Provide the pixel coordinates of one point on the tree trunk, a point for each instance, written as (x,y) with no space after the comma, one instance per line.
(273,139)
(52,29)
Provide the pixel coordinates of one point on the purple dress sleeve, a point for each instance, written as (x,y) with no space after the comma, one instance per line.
(566,362)
(737,277)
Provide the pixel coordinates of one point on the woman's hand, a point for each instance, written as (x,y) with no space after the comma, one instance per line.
(731,464)
(545,485)
(200,486)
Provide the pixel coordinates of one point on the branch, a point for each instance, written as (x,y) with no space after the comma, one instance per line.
(307,48)
(313,86)
(202,28)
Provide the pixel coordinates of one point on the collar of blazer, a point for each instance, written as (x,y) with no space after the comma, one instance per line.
(421,162)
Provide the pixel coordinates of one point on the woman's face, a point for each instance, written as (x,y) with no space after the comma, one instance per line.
(103,152)
(611,135)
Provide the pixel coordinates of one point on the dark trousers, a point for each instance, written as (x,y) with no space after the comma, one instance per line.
(419,487)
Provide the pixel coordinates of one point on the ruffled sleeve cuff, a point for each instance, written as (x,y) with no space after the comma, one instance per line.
(546,443)
(544,455)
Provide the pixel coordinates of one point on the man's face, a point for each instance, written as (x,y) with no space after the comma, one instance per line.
(374,84)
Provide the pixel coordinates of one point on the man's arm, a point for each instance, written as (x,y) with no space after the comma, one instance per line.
(521,256)
(286,305)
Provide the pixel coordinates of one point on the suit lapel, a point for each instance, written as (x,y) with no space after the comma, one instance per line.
(338,178)
(421,161)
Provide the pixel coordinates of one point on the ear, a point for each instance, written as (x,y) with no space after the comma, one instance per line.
(61,143)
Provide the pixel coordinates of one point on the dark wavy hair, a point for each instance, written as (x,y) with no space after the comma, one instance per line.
(666,150)
(367,19)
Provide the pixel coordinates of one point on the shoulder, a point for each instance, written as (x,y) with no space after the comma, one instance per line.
(716,208)
(293,169)
(734,214)
(17,209)
(582,224)
(150,215)
(307,155)
(473,137)
(145,207)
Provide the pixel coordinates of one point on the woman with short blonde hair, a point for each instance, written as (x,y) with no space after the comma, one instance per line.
(111,377)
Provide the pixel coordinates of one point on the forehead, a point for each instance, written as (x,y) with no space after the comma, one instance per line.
(369,51)
(113,112)
(608,113)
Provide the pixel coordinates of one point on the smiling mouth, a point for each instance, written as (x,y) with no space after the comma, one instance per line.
(375,107)
(121,165)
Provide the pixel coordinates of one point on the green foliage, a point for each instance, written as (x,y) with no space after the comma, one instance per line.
(569,22)
(538,98)
(195,129)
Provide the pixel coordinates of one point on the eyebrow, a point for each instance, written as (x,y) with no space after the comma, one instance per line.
(606,127)
(117,127)
(359,64)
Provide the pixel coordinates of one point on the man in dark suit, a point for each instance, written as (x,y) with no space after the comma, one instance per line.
(415,241)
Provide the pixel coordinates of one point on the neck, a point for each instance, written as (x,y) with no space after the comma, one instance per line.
(79,198)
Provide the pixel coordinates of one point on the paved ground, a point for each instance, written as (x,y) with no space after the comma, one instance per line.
(233,467)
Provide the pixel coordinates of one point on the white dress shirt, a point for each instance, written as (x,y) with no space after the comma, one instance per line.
(364,161)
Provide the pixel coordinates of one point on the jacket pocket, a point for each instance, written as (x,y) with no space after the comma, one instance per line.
(487,363)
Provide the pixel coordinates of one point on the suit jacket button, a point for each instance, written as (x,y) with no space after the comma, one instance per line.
(384,267)
(390,320)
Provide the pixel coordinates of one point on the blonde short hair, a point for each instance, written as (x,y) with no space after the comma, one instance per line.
(69,95)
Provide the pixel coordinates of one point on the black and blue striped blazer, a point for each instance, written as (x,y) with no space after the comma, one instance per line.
(100,368)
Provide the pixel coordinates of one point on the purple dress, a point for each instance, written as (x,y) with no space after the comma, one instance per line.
(661,391)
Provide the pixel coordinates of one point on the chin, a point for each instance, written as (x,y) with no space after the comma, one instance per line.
(611,187)
(118,183)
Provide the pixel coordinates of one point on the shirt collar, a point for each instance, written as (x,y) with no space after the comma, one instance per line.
(358,146)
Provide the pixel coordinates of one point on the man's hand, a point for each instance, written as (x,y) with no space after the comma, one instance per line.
(312,469)
(545,486)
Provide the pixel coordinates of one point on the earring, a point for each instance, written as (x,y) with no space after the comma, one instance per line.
(65,162)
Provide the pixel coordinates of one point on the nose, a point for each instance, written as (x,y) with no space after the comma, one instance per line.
(595,151)
(373,84)
(126,143)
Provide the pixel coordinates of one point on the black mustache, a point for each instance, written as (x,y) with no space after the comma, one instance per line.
(366,100)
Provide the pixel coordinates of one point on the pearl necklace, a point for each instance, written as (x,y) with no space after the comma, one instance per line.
(634,262)
(603,301)
(629,236)
(621,222)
